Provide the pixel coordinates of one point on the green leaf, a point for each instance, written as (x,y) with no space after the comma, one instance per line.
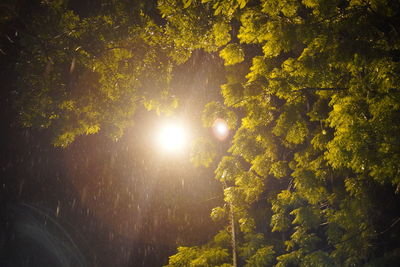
(232,54)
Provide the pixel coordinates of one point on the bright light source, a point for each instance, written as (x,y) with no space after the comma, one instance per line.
(172,137)
(220,129)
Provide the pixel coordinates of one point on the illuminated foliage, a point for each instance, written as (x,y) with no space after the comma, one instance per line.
(315,85)
(79,75)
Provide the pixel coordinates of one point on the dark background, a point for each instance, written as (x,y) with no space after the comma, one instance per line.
(100,202)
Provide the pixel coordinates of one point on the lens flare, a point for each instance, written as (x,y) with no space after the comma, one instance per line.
(220,129)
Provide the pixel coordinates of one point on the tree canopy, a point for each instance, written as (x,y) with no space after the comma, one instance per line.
(312,94)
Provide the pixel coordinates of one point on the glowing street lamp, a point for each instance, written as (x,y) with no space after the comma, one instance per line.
(171,137)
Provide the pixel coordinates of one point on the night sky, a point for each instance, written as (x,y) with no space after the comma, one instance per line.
(101,202)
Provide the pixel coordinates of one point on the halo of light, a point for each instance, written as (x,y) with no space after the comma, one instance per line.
(220,129)
(171,137)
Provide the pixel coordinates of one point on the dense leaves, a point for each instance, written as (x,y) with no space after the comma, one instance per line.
(315,84)
(79,75)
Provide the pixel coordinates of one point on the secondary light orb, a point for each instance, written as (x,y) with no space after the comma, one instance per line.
(220,129)
(171,137)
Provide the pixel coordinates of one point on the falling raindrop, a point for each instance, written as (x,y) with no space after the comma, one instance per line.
(58,209)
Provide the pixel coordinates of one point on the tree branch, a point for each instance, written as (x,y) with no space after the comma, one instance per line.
(322,89)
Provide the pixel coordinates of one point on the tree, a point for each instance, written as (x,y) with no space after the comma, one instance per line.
(80,74)
(315,84)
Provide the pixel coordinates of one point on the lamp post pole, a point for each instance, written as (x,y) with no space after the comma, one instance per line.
(221,132)
(233,232)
